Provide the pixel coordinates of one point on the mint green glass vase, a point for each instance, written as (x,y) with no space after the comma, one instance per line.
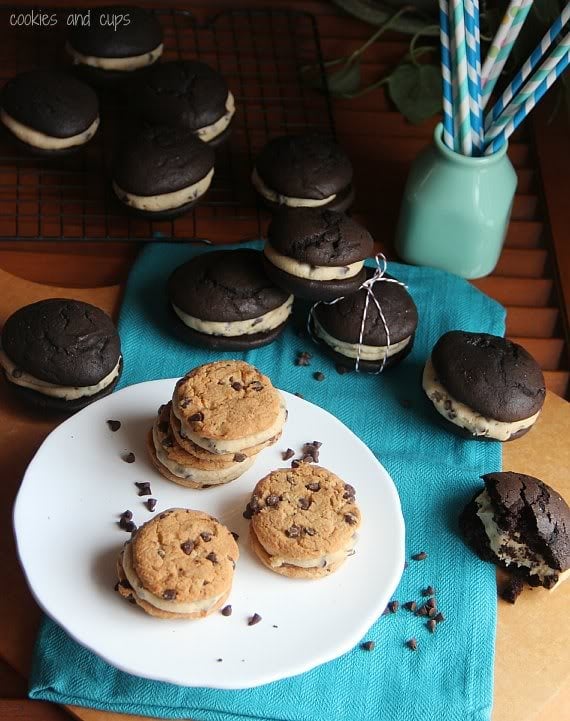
(456,209)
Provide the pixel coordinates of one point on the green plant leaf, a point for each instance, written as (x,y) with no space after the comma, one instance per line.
(416,91)
(344,81)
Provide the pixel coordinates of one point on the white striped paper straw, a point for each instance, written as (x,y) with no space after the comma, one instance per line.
(516,113)
(488,78)
(459,76)
(446,74)
(478,43)
(473,77)
(535,58)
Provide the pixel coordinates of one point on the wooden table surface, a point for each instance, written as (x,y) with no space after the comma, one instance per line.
(532,279)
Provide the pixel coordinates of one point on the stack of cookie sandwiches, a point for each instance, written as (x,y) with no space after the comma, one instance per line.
(221,416)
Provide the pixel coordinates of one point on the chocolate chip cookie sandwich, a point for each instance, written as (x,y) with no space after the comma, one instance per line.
(224,300)
(317,253)
(181,466)
(228,407)
(484,386)
(520,523)
(304,171)
(60,354)
(303,521)
(49,112)
(178,565)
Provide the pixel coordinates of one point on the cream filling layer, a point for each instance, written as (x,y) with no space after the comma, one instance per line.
(67,393)
(517,552)
(128,64)
(165,201)
(367,352)
(235,445)
(311,272)
(462,415)
(211,477)
(209,132)
(41,140)
(263,323)
(275,197)
(320,562)
(171,606)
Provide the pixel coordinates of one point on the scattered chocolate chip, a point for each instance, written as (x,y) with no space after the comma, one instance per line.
(309,458)
(319,376)
(299,395)
(125,584)
(303,503)
(114,425)
(256,386)
(272,501)
(422,611)
(350,519)
(235,535)
(309,531)
(169,594)
(275,626)
(205,536)
(439,618)
(212,557)
(17,373)
(412,644)
(286,455)
(256,618)
(410,606)
(432,612)
(151,504)
(431,624)
(512,589)
(368,646)
(127,526)
(239,457)
(421,556)
(129,457)
(219,660)
(393,606)
(431,603)
(144,488)
(341,370)
(237,386)
(303,359)
(226,611)
(248,513)
(127,515)
(187,547)
(313,486)
(429,591)
(196,417)
(295,463)
(293,532)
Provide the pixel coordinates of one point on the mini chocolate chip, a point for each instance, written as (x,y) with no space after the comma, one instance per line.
(421,556)
(422,611)
(431,603)
(239,457)
(295,463)
(272,500)
(205,536)
(275,626)
(432,612)
(196,417)
(410,606)
(412,644)
(310,531)
(349,492)
(431,624)
(17,373)
(293,531)
(439,618)
(226,611)
(237,386)
(127,526)
(144,488)
(308,458)
(114,425)
(169,594)
(125,584)
(151,504)
(316,444)
(187,547)
(350,519)
(212,557)
(341,370)
(286,455)
(127,515)
(303,503)
(235,535)
(303,359)
(299,395)
(248,513)
(256,618)
(313,486)
(219,660)
(129,457)
(319,376)
(256,386)
(368,646)
(393,606)
(429,591)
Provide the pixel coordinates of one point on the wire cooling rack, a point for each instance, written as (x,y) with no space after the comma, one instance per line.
(260,52)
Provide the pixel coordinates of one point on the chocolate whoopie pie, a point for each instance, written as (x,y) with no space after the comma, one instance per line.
(302,171)
(49,112)
(485,386)
(317,253)
(60,354)
(225,301)
(337,326)
(161,172)
(185,93)
(118,41)
(521,524)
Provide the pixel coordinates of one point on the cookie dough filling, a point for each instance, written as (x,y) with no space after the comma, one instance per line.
(41,140)
(209,132)
(462,415)
(508,546)
(266,322)
(364,352)
(320,562)
(275,197)
(235,445)
(204,604)
(128,64)
(165,201)
(311,272)
(68,393)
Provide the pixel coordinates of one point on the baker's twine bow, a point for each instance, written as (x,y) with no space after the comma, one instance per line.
(368,285)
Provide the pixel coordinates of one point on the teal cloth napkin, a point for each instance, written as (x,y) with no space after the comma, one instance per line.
(450,675)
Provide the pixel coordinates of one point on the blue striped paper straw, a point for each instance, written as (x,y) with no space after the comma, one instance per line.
(461,110)
(530,95)
(535,58)
(446,74)
(478,55)
(473,77)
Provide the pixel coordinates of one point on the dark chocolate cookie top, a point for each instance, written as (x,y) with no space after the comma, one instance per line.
(52,102)
(319,237)
(157,160)
(492,375)
(62,341)
(181,92)
(526,506)
(342,320)
(304,166)
(224,285)
(103,40)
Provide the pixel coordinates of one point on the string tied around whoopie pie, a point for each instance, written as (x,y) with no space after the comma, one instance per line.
(379,275)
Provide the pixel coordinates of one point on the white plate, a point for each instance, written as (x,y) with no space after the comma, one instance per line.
(68,539)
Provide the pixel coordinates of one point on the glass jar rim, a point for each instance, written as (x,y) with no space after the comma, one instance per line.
(480,160)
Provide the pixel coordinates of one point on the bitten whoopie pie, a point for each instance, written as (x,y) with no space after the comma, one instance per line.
(304,171)
(485,386)
(161,172)
(185,93)
(60,354)
(50,112)
(225,301)
(118,41)
(178,565)
(337,326)
(520,523)
(317,253)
